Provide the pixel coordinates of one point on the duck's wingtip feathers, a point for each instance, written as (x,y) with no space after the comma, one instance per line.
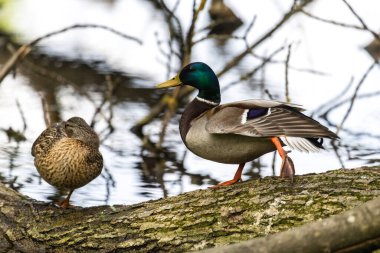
(303,144)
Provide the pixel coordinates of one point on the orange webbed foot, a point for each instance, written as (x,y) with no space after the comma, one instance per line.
(287,168)
(235,180)
(227,183)
(65,203)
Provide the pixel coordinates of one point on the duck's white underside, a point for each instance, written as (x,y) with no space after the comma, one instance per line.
(235,149)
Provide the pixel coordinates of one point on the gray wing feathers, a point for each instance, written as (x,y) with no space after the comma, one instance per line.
(280,121)
(252,103)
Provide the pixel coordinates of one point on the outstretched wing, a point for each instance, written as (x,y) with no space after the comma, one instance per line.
(263,118)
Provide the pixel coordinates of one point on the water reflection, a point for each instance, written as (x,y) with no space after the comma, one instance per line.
(50,87)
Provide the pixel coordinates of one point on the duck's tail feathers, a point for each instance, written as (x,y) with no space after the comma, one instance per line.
(303,144)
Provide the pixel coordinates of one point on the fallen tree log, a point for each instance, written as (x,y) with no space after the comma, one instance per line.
(192,221)
(355,230)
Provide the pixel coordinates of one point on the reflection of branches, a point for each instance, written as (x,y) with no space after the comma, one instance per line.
(249,27)
(295,8)
(299,69)
(365,27)
(175,27)
(16,135)
(331,101)
(25,49)
(107,99)
(185,91)
(287,97)
(337,154)
(22,116)
(351,102)
(353,98)
(251,73)
(187,50)
(110,183)
(190,34)
(235,60)
(13,152)
(343,102)
(333,22)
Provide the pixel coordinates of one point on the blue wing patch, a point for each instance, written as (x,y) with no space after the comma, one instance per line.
(256,112)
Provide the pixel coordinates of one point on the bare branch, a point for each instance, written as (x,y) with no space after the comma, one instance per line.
(84,26)
(331,101)
(361,20)
(293,10)
(287,97)
(353,98)
(332,21)
(248,75)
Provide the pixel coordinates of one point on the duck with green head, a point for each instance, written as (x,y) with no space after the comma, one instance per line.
(239,132)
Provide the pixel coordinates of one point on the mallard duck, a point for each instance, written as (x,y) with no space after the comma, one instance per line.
(67,155)
(239,132)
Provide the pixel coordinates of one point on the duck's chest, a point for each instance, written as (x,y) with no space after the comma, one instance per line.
(224,148)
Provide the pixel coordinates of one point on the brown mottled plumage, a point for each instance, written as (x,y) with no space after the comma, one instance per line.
(67,155)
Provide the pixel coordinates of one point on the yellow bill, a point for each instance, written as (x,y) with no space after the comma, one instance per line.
(170,83)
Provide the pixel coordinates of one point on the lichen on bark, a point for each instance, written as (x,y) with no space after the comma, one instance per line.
(191,221)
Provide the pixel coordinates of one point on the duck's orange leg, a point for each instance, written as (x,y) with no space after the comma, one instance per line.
(287,166)
(66,202)
(236,178)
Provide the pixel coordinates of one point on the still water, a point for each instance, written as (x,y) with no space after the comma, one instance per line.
(73,72)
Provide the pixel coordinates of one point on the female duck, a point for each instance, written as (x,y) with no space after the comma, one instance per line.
(239,132)
(67,156)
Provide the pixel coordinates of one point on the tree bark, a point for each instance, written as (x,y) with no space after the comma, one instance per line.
(355,230)
(192,221)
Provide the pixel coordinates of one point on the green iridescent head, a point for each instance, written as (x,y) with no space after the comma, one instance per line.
(200,76)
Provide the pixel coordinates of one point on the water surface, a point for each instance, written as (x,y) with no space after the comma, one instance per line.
(74,71)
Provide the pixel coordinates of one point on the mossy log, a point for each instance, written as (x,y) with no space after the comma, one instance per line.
(192,221)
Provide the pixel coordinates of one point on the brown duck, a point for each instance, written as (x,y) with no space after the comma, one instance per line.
(239,132)
(67,155)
